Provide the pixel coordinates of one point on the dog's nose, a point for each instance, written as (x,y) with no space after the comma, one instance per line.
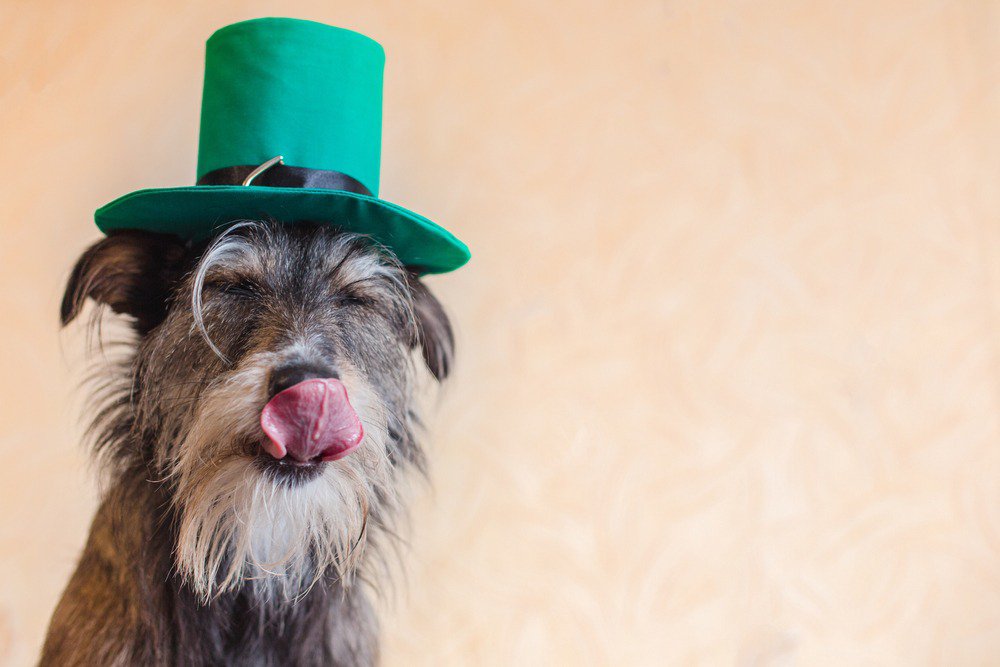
(290,375)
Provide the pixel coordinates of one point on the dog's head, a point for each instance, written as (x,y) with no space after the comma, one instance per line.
(270,390)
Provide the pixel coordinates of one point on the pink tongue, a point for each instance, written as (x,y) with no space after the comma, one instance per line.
(309,420)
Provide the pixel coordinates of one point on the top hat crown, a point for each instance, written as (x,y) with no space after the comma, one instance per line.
(291,129)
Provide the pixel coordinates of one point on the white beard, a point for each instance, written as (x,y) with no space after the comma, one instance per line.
(238,525)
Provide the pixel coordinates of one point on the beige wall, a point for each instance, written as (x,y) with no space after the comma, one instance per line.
(730,374)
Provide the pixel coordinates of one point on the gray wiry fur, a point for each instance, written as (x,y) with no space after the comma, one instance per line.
(203,552)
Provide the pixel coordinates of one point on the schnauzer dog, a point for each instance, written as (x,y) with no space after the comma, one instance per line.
(255,439)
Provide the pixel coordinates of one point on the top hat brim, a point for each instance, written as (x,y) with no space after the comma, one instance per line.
(199,211)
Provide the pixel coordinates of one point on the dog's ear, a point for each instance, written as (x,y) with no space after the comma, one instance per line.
(130,271)
(433,330)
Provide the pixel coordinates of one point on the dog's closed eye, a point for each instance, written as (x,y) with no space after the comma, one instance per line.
(243,288)
(354,298)
(359,293)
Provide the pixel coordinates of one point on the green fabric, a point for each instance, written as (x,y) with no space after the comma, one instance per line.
(307,91)
(311,93)
(197,211)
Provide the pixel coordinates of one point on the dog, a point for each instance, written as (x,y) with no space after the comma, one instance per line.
(254,439)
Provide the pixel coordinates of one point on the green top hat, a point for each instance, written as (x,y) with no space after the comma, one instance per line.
(291,128)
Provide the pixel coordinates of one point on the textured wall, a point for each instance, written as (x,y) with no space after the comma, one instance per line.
(730,369)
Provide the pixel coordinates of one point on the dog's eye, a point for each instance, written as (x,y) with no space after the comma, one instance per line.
(244,289)
(354,299)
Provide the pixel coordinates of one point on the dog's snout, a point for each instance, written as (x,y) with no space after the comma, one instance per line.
(290,375)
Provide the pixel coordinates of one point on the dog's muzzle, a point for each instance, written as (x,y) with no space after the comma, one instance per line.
(311,421)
